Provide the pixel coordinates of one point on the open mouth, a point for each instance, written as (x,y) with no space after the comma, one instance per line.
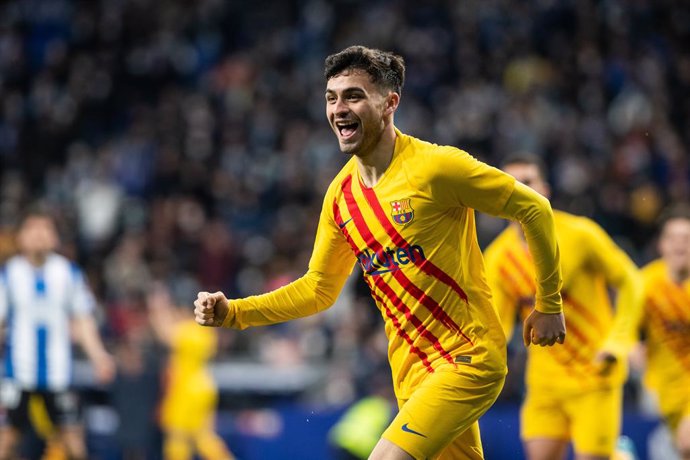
(347,129)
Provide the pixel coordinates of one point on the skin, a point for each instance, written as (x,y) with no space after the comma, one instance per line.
(360,113)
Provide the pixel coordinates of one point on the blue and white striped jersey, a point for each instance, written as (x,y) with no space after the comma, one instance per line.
(36,304)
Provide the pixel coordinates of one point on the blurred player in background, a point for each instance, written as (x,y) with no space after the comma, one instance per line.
(43,294)
(190,395)
(666,324)
(574,392)
(402,207)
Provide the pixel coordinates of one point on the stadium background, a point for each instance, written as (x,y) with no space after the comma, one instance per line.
(186,141)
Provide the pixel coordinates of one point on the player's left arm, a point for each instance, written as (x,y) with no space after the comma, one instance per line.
(90,340)
(546,324)
(86,329)
(622,274)
(458,178)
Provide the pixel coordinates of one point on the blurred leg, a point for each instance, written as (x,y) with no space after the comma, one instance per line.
(683,438)
(177,446)
(72,437)
(211,447)
(9,437)
(546,449)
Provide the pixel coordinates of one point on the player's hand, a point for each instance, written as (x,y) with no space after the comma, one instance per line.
(210,309)
(543,329)
(104,368)
(605,361)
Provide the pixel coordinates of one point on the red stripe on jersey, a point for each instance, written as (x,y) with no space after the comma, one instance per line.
(400,331)
(578,334)
(678,349)
(365,233)
(573,358)
(679,310)
(426,266)
(404,309)
(431,305)
(341,225)
(400,306)
(581,310)
(524,273)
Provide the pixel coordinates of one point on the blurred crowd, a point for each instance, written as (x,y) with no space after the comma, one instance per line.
(186,141)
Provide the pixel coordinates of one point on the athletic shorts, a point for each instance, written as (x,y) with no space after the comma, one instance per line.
(439,421)
(62,406)
(591,420)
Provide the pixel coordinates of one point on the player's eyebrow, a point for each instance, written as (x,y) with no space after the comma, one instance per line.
(348,90)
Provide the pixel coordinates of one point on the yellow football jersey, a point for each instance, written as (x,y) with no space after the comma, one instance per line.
(666,327)
(590,262)
(413,235)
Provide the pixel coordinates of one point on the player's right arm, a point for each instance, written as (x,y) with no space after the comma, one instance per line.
(330,265)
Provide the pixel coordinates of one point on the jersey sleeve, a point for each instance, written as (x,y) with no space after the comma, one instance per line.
(461,180)
(331,263)
(534,213)
(621,273)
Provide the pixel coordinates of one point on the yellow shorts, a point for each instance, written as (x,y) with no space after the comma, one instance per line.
(439,421)
(591,420)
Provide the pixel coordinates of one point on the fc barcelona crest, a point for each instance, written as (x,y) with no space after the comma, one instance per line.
(402,211)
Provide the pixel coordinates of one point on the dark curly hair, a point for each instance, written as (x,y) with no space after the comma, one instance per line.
(385,68)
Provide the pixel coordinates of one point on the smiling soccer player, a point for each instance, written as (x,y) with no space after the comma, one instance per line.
(404,209)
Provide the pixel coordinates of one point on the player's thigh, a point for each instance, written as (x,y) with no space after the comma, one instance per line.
(596,421)
(543,420)
(446,404)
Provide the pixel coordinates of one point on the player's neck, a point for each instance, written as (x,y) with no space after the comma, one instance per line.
(36,259)
(374,164)
(679,276)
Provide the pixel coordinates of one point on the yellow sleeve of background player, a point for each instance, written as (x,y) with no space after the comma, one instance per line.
(331,263)
(621,273)
(506,305)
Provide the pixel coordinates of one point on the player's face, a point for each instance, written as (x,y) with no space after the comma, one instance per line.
(674,244)
(37,236)
(356,111)
(529,175)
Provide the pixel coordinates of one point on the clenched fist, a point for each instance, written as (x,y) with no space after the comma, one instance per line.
(210,309)
(544,329)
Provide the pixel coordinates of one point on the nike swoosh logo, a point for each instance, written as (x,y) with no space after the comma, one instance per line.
(410,430)
(344,223)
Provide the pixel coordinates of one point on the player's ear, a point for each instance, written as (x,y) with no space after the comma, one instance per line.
(392,101)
